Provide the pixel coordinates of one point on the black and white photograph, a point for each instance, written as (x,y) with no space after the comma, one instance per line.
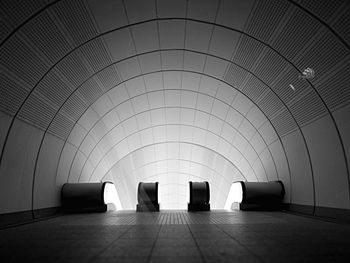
(174,131)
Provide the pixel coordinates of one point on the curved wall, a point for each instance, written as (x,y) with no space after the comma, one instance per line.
(174,90)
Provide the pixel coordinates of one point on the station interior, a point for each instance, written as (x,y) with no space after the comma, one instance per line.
(117,95)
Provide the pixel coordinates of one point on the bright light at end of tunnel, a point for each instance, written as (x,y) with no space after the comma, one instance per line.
(235,195)
(110,196)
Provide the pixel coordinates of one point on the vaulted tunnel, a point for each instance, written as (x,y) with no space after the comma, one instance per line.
(175,91)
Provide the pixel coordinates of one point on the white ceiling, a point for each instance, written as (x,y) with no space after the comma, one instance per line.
(171,91)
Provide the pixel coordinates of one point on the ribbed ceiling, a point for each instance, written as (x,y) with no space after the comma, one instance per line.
(172,91)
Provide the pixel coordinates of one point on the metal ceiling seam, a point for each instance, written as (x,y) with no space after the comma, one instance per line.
(161,67)
(137,57)
(138,61)
(246,147)
(255,133)
(204,65)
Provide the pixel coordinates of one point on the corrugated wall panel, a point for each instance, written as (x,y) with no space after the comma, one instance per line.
(299,27)
(20,10)
(61,126)
(266,17)
(96,54)
(109,77)
(342,25)
(235,75)
(47,37)
(54,89)
(323,55)
(23,63)
(37,111)
(5,28)
(73,69)
(270,104)
(282,85)
(322,9)
(11,94)
(90,91)
(75,17)
(335,90)
(308,108)
(270,66)
(284,123)
(74,106)
(253,88)
(247,52)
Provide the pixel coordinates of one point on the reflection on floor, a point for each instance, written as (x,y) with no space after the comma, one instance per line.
(170,236)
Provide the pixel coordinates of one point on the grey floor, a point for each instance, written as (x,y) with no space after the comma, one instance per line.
(216,236)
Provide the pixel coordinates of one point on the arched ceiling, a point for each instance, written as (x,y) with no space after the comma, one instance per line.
(172,91)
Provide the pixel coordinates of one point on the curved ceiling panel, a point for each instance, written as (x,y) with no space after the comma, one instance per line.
(109,78)
(138,113)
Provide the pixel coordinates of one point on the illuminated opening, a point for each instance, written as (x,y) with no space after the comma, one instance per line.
(188,194)
(235,195)
(111,197)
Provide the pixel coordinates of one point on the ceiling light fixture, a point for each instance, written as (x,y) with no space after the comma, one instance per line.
(307,73)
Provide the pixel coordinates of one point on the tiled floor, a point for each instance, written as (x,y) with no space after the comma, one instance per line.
(216,236)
